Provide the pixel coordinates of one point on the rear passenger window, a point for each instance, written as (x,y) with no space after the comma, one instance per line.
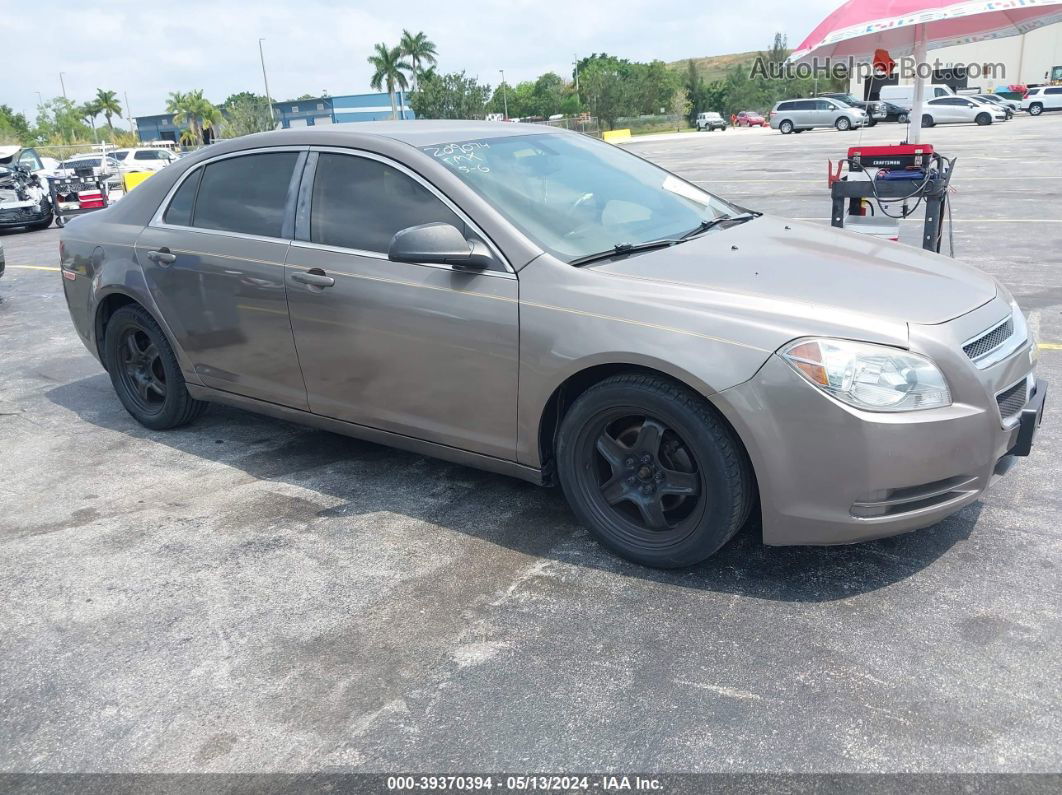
(1053,90)
(245,194)
(180,210)
(360,203)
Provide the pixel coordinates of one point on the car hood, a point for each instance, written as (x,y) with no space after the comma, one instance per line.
(818,266)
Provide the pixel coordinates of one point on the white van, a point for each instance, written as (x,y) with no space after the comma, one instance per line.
(903,96)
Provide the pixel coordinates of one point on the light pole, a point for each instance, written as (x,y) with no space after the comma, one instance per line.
(505,95)
(261,55)
(63,84)
(40,99)
(575,63)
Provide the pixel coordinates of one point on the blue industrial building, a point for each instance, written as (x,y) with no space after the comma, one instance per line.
(294,113)
(340,110)
(158,128)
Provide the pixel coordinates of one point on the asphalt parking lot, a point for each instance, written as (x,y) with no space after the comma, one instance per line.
(249,595)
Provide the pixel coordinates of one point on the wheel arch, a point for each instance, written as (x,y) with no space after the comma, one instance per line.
(113,300)
(576,383)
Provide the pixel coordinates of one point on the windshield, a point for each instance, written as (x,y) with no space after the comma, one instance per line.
(575,196)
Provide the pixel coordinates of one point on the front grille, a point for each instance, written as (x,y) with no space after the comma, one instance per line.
(990,340)
(1011,401)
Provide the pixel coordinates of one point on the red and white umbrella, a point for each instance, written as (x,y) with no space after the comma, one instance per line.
(904,27)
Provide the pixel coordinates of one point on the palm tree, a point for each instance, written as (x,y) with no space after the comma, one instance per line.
(419,50)
(195,110)
(390,69)
(108,104)
(89,112)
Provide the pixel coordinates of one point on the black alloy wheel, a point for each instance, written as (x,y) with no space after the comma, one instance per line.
(645,473)
(653,471)
(144,371)
(141,370)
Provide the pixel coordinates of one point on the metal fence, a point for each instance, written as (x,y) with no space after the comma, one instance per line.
(587,125)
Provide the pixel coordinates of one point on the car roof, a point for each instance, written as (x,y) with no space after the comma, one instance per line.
(415,133)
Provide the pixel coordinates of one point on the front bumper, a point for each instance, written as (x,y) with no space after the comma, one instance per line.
(831,474)
(24,216)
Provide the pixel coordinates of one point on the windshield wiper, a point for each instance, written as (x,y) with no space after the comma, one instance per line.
(622,249)
(704,226)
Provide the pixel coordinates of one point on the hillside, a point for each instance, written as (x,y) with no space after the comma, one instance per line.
(713,67)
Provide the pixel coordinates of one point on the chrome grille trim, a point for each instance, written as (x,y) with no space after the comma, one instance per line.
(987,341)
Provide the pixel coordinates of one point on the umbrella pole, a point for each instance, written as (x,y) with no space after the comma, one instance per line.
(918,105)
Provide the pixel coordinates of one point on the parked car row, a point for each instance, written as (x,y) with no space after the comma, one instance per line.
(25,199)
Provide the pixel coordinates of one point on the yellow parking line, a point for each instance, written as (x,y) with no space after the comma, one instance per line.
(35,267)
(1051,346)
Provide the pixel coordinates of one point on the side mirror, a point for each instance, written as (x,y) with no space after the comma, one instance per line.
(438,243)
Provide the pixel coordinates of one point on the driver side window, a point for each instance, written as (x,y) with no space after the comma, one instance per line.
(360,203)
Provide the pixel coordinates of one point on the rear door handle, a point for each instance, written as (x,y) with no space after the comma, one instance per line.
(162,256)
(314,277)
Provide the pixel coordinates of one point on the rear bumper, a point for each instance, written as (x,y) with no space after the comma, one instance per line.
(831,474)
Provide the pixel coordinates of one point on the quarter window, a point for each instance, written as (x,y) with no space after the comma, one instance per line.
(245,194)
(360,203)
(180,210)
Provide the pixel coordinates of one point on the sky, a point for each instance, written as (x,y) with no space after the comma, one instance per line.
(146,50)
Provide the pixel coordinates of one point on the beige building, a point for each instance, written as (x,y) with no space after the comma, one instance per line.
(1026,60)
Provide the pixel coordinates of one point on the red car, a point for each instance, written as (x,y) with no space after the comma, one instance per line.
(750,118)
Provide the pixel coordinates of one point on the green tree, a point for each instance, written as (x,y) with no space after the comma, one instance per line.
(419,50)
(14,128)
(107,102)
(89,111)
(550,92)
(602,83)
(389,68)
(449,96)
(245,114)
(194,110)
(59,120)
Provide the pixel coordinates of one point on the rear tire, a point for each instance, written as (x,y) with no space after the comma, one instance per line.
(1036,109)
(785,127)
(901,118)
(653,471)
(144,371)
(983,119)
(843,124)
(42,224)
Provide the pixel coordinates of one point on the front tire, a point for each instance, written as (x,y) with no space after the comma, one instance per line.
(901,118)
(843,124)
(653,471)
(145,373)
(927,120)
(983,119)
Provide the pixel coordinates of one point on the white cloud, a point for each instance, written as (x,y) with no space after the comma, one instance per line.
(148,49)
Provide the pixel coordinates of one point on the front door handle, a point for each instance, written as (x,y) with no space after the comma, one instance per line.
(162,256)
(314,277)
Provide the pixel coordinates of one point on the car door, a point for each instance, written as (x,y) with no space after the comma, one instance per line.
(213,258)
(426,351)
(1052,98)
(824,114)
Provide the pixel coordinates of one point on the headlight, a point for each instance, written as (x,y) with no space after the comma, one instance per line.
(869,377)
